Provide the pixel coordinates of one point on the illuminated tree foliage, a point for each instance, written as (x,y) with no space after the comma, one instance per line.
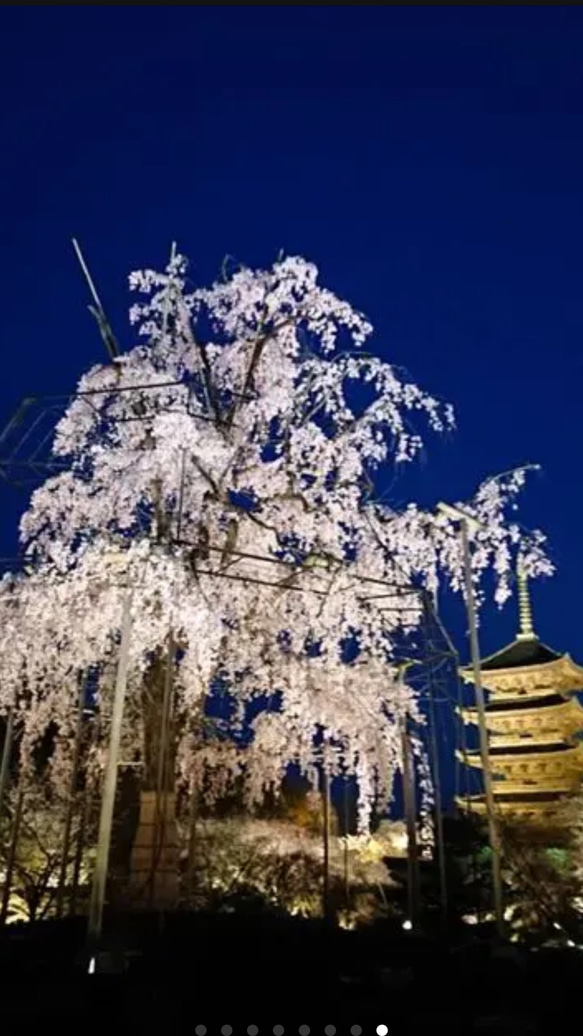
(225,467)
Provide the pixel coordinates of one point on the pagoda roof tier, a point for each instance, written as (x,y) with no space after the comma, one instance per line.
(520,653)
(535,699)
(530,796)
(518,789)
(526,742)
(531,748)
(529,665)
(505,715)
(564,752)
(535,810)
(504,791)
(565,764)
(474,758)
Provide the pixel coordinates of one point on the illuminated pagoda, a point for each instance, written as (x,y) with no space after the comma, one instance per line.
(534,721)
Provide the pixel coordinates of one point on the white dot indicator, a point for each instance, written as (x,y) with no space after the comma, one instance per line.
(382,1030)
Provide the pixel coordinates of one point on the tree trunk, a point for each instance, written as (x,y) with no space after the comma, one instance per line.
(155,853)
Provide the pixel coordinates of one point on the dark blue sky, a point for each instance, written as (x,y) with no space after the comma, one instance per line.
(428,160)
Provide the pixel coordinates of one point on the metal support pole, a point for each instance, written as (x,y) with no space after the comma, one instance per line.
(411,821)
(70,803)
(110,781)
(484,750)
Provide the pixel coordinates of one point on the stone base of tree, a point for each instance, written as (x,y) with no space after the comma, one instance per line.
(155,854)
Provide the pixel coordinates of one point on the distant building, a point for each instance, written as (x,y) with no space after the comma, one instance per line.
(534,722)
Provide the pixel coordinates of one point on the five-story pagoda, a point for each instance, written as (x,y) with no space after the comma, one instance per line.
(534,720)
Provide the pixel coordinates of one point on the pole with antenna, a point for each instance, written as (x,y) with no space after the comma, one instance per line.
(97,310)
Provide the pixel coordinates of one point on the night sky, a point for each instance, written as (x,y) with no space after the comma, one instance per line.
(428,160)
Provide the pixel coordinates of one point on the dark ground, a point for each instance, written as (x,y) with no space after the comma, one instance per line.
(231,970)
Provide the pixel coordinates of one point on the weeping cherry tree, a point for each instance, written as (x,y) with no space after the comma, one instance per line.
(227,464)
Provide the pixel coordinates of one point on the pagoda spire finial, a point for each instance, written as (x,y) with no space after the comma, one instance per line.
(526,631)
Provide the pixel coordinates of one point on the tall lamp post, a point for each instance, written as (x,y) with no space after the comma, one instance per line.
(466,524)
